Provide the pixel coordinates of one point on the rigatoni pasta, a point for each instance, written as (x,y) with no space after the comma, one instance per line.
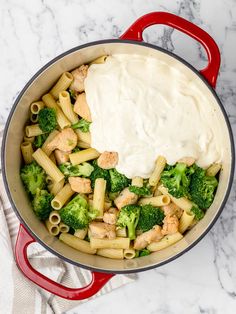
(62,84)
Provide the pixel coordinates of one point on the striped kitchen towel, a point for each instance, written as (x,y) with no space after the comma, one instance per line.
(20,296)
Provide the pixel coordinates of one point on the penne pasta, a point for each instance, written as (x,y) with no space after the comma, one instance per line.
(111,253)
(121,232)
(27,152)
(165,242)
(62,84)
(213,170)
(29,139)
(84,155)
(185,221)
(160,200)
(76,243)
(159,167)
(49,180)
(54,218)
(63,227)
(81,233)
(34,117)
(129,253)
(84,137)
(36,106)
(137,181)
(50,168)
(62,197)
(99,195)
(57,186)
(53,158)
(117,243)
(52,228)
(99,60)
(66,106)
(33,130)
(46,148)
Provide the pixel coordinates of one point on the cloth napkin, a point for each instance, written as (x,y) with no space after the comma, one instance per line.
(20,296)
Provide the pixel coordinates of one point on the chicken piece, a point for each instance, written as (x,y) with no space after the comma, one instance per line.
(110,217)
(79,76)
(102,230)
(81,107)
(61,157)
(147,237)
(172,209)
(170,225)
(65,141)
(80,185)
(189,161)
(108,160)
(125,198)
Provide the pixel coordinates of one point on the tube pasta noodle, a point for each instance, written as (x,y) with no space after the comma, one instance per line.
(54,218)
(117,243)
(29,139)
(182,202)
(185,221)
(63,227)
(36,106)
(129,253)
(27,152)
(84,155)
(61,118)
(57,186)
(34,117)
(121,232)
(53,158)
(81,233)
(161,200)
(82,144)
(76,243)
(111,253)
(47,149)
(62,197)
(50,168)
(137,181)
(165,242)
(62,84)
(53,229)
(66,106)
(99,60)
(84,137)
(159,167)
(49,180)
(99,195)
(33,130)
(213,170)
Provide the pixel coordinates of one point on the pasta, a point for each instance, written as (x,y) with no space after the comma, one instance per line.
(99,60)
(62,197)
(84,155)
(111,253)
(50,168)
(33,130)
(129,253)
(36,106)
(159,167)
(34,117)
(117,243)
(62,84)
(99,195)
(121,232)
(57,186)
(137,181)
(47,149)
(76,243)
(160,200)
(29,139)
(54,218)
(81,233)
(165,242)
(52,228)
(213,170)
(66,106)
(83,137)
(185,221)
(27,152)
(63,227)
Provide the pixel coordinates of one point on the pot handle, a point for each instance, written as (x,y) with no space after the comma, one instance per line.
(98,279)
(135,32)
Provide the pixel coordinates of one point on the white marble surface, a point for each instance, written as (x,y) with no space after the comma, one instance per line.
(33,32)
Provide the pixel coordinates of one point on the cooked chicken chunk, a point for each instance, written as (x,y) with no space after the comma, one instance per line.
(172,209)
(125,198)
(65,141)
(108,160)
(79,76)
(147,237)
(102,230)
(189,161)
(81,107)
(80,185)
(170,225)
(110,217)
(61,157)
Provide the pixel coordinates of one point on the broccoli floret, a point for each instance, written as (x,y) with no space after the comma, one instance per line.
(47,119)
(100,173)
(141,191)
(128,217)
(143,252)
(113,196)
(83,125)
(149,217)
(33,177)
(177,179)
(82,170)
(40,139)
(118,181)
(75,150)
(202,188)
(42,204)
(199,213)
(76,214)
(72,95)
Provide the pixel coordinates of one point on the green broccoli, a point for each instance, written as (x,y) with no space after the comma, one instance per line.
(149,217)
(82,170)
(177,179)
(83,125)
(72,96)
(199,213)
(40,139)
(47,119)
(141,191)
(76,213)
(100,173)
(33,177)
(118,181)
(143,252)
(42,204)
(128,217)
(76,149)
(202,188)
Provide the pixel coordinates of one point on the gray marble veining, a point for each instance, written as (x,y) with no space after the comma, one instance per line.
(33,32)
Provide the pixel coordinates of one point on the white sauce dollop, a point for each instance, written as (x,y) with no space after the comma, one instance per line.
(141,107)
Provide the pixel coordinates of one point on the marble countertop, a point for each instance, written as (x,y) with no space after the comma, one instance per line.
(33,32)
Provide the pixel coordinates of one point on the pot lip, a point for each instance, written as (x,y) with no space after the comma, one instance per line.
(42,69)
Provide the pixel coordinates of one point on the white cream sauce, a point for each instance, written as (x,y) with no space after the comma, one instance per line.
(141,107)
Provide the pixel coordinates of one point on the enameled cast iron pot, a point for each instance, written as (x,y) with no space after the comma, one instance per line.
(32,229)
